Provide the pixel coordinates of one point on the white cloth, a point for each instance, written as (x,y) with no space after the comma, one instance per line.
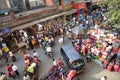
(11,54)
(25,34)
(60,40)
(4,45)
(86,22)
(49,49)
(40,27)
(33,64)
(14,68)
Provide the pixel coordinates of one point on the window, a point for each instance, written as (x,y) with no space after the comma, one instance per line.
(66,1)
(59,2)
(36,3)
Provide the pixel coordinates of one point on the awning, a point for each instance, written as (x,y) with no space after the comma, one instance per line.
(42,20)
(77,30)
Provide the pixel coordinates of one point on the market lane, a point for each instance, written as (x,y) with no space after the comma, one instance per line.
(92,72)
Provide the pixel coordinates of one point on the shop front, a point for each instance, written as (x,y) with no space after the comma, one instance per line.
(82,7)
(40,26)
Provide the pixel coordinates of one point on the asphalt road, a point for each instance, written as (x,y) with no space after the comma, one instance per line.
(92,72)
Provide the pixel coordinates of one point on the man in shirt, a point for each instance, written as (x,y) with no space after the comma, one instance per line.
(15,69)
(35,54)
(31,70)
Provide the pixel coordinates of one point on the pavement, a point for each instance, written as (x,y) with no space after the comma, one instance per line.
(92,71)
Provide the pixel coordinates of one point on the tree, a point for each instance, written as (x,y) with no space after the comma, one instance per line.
(114,11)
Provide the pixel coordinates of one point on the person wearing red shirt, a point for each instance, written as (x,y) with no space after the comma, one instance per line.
(9,68)
(60,62)
(115,49)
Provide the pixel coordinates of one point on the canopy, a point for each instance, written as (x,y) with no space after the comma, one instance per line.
(77,30)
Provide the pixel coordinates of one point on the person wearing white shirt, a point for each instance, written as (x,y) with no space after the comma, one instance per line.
(11,54)
(15,69)
(49,49)
(60,40)
(54,62)
(35,54)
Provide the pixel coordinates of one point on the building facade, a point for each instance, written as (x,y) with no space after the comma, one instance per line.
(20,5)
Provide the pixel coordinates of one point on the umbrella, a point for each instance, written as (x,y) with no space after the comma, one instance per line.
(77,30)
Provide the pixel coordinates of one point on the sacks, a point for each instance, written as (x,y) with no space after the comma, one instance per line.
(116,68)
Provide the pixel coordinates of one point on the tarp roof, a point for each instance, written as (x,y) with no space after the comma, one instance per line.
(71,53)
(77,30)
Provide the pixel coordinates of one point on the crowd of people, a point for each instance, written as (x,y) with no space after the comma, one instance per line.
(31,66)
(97,44)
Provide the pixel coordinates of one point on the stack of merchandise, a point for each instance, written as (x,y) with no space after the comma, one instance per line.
(100,44)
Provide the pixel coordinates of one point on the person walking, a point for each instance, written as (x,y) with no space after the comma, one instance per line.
(54,62)
(4,54)
(61,40)
(35,53)
(26,55)
(13,58)
(10,71)
(15,69)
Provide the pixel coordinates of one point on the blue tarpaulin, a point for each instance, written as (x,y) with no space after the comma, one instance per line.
(71,53)
(6,31)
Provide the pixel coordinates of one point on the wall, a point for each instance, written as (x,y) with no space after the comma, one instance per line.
(3,4)
(79,6)
(49,2)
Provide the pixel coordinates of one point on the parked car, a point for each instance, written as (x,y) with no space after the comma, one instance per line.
(72,58)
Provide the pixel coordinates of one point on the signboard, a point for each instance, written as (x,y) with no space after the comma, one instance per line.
(6,30)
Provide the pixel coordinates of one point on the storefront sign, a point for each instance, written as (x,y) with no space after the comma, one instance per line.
(5,30)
